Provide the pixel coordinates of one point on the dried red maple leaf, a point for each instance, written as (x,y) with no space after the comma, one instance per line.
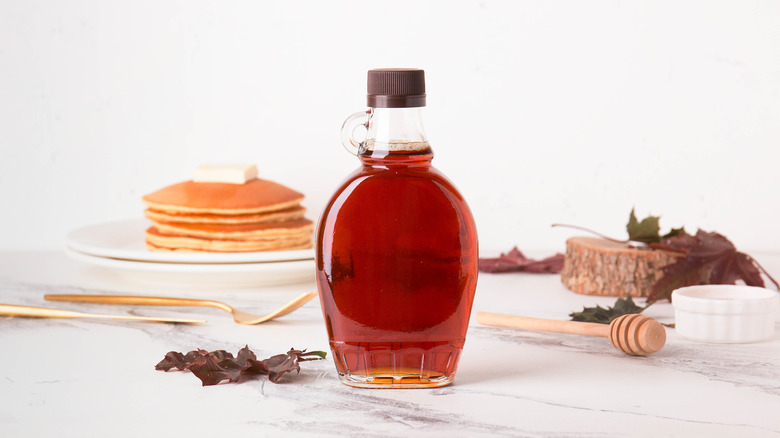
(710,259)
(215,366)
(516,261)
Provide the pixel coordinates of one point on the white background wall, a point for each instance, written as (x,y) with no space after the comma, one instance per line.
(539,111)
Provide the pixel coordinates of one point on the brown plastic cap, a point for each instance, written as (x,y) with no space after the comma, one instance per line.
(396,88)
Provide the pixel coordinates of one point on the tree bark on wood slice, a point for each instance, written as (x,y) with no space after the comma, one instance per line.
(595,266)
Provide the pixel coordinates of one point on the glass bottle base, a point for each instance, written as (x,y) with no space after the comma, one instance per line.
(396,364)
(392,379)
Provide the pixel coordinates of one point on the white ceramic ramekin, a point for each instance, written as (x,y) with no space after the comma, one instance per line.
(725,313)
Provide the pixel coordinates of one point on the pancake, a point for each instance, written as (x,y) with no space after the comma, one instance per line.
(155,248)
(296,228)
(255,196)
(156,241)
(289,214)
(258,215)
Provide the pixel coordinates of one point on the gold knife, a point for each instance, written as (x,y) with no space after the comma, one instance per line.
(45,312)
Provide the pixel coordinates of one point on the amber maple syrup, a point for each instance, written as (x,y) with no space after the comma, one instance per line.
(397,264)
(396,250)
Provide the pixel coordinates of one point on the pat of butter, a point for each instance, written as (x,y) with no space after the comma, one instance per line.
(225,173)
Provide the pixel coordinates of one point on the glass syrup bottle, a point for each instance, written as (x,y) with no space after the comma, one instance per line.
(396,249)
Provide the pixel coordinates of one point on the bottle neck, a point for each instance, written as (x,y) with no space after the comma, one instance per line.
(396,134)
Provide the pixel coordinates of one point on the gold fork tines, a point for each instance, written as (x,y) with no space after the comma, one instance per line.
(238,316)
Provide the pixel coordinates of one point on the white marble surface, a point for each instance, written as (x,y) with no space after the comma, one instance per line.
(96,377)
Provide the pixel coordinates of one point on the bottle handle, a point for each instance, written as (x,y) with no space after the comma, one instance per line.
(348,140)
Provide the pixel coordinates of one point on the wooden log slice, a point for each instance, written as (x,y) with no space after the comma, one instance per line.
(595,266)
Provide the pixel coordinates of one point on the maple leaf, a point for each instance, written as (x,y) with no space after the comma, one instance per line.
(516,261)
(645,231)
(710,259)
(215,366)
(601,315)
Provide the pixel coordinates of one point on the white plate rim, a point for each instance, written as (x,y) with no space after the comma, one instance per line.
(128,244)
(133,265)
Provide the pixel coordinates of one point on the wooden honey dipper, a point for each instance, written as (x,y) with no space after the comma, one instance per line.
(633,334)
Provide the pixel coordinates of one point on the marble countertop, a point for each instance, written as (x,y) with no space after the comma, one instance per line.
(82,377)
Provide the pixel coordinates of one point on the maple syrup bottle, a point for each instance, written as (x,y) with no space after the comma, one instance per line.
(396,249)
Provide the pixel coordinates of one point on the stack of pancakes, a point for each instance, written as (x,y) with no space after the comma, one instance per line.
(258,215)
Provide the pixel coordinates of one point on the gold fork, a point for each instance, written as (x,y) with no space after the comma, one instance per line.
(239,316)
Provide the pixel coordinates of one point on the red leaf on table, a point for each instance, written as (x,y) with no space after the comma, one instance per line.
(516,261)
(215,366)
(711,259)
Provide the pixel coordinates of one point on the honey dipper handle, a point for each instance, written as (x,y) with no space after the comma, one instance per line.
(545,325)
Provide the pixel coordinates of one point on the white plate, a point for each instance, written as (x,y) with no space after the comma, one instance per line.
(126,240)
(203,275)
